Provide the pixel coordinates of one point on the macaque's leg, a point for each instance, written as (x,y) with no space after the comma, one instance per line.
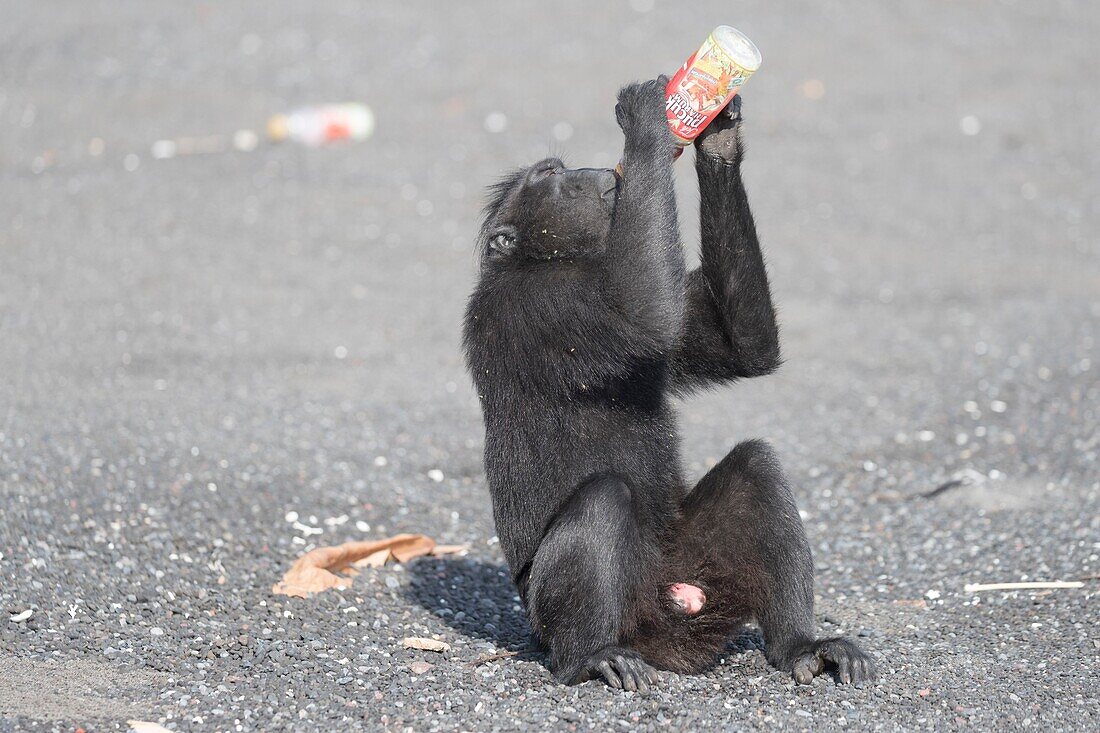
(743,515)
(584,580)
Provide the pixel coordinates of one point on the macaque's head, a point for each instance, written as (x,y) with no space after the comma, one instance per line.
(548,212)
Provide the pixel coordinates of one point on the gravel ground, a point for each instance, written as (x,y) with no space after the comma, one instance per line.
(193,348)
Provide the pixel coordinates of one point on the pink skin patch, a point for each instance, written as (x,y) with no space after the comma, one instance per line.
(689,599)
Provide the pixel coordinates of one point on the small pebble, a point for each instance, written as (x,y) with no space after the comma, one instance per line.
(420,667)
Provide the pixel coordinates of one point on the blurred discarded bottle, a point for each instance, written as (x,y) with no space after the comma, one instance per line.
(314,126)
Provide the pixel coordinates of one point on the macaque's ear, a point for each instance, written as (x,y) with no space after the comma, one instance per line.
(503,239)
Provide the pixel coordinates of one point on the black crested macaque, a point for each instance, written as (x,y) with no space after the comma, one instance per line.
(583,323)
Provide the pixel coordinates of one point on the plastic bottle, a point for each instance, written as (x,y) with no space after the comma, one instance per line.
(707,81)
(705,84)
(315,126)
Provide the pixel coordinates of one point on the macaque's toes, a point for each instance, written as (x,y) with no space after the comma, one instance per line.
(630,679)
(641,675)
(633,672)
(853,666)
(806,668)
(610,676)
(850,664)
(688,599)
(622,669)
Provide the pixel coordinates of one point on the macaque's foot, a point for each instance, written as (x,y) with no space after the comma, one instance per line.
(851,664)
(641,110)
(688,599)
(722,137)
(620,667)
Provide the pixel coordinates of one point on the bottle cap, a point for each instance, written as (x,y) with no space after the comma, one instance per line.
(738,46)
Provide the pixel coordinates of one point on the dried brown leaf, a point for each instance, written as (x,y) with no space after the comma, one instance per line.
(374,560)
(428,645)
(449,550)
(316,570)
(412,546)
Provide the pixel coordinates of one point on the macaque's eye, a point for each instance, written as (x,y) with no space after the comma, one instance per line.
(502,243)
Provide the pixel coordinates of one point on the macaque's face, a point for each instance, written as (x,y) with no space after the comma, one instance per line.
(554,212)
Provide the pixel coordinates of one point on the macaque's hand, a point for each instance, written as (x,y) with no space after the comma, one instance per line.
(641,112)
(722,137)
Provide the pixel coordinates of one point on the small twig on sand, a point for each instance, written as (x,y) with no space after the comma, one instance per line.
(946,486)
(965,477)
(976,587)
(502,655)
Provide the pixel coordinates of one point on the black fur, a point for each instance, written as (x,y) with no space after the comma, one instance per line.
(584,320)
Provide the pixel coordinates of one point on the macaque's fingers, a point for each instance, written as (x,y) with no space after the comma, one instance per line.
(609,675)
(733,109)
(630,683)
(807,667)
(844,670)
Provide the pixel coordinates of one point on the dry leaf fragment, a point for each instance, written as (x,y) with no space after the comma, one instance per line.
(316,570)
(449,550)
(374,560)
(428,645)
(411,546)
(502,655)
